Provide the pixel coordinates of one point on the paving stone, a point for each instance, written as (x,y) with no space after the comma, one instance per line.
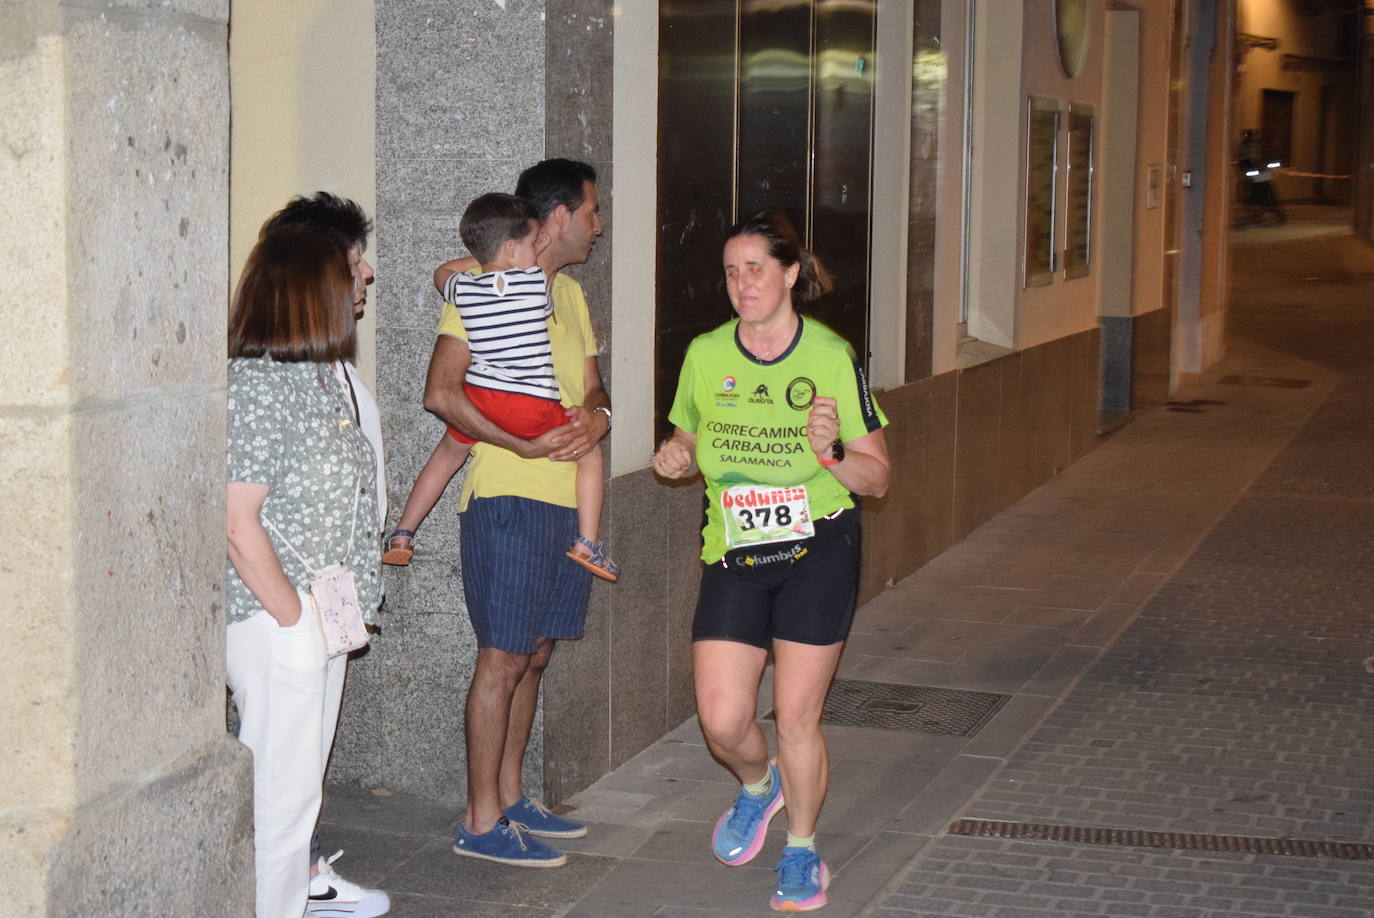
(1111,882)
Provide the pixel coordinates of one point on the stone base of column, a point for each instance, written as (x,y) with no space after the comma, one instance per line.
(178,843)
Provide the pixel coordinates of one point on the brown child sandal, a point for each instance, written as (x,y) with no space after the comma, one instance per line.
(595,560)
(400,548)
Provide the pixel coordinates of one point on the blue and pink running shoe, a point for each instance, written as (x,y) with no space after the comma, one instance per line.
(802,880)
(739,832)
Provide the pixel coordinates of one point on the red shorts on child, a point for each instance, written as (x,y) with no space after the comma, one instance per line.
(522,416)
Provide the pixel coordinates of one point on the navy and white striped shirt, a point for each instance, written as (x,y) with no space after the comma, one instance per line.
(507,331)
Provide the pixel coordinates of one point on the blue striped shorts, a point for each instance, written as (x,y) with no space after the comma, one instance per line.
(519,584)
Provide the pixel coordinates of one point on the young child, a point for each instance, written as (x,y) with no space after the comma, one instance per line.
(511,381)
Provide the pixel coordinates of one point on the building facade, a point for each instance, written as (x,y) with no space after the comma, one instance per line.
(1026,194)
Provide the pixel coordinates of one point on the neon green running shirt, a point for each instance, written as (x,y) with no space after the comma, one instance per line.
(749,416)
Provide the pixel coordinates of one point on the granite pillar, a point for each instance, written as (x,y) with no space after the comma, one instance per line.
(460,111)
(581,708)
(122,794)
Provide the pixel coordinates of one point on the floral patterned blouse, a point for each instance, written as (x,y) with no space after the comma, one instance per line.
(293,427)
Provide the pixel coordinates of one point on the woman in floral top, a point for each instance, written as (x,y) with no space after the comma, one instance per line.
(301,497)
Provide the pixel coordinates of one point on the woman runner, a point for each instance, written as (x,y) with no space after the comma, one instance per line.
(775,411)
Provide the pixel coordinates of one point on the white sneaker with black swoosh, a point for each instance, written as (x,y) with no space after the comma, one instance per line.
(332,895)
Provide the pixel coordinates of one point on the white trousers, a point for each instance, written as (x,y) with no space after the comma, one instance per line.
(288,696)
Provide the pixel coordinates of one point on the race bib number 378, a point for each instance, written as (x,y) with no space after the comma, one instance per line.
(757,515)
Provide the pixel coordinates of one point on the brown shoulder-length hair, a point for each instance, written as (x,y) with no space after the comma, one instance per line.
(294,301)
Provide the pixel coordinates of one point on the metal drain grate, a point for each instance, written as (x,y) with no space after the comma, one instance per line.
(919,708)
(1195,406)
(1178,841)
(1272,382)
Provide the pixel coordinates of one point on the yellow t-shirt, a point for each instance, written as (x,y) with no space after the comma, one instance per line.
(497,472)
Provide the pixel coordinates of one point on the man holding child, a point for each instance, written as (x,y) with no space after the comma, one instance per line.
(518,516)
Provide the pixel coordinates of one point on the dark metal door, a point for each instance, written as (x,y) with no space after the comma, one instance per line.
(763,104)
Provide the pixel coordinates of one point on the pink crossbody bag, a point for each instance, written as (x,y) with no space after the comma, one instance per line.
(334,596)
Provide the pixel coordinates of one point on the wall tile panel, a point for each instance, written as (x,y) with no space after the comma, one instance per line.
(1085,362)
(1051,368)
(683,565)
(940,452)
(638,668)
(1016,437)
(1150,343)
(976,486)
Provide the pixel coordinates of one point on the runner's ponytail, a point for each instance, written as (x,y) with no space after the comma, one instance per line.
(813,281)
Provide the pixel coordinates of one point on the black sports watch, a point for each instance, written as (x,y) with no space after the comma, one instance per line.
(836,454)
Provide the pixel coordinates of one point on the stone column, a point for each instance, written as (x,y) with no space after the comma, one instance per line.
(578,723)
(460,111)
(122,793)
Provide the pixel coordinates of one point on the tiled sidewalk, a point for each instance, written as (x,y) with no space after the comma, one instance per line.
(1233,703)
(1236,702)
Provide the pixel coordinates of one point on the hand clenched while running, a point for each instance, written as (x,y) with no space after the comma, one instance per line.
(676,456)
(822,424)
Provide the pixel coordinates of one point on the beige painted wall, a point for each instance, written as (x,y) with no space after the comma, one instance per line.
(1040,314)
(303,90)
(1068,305)
(1117,166)
(1220,191)
(1316,36)
(995,185)
(1001,310)
(635,152)
(1148,292)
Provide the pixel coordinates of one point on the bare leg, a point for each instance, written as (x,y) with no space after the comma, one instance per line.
(522,708)
(590,487)
(448,457)
(801,680)
(727,676)
(488,713)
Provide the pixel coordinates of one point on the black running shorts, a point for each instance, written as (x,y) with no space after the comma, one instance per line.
(801,591)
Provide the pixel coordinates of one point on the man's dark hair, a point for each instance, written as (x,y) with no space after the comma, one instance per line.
(553,182)
(325,212)
(492,219)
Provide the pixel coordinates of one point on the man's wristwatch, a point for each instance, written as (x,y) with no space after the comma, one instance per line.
(836,455)
(607,413)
